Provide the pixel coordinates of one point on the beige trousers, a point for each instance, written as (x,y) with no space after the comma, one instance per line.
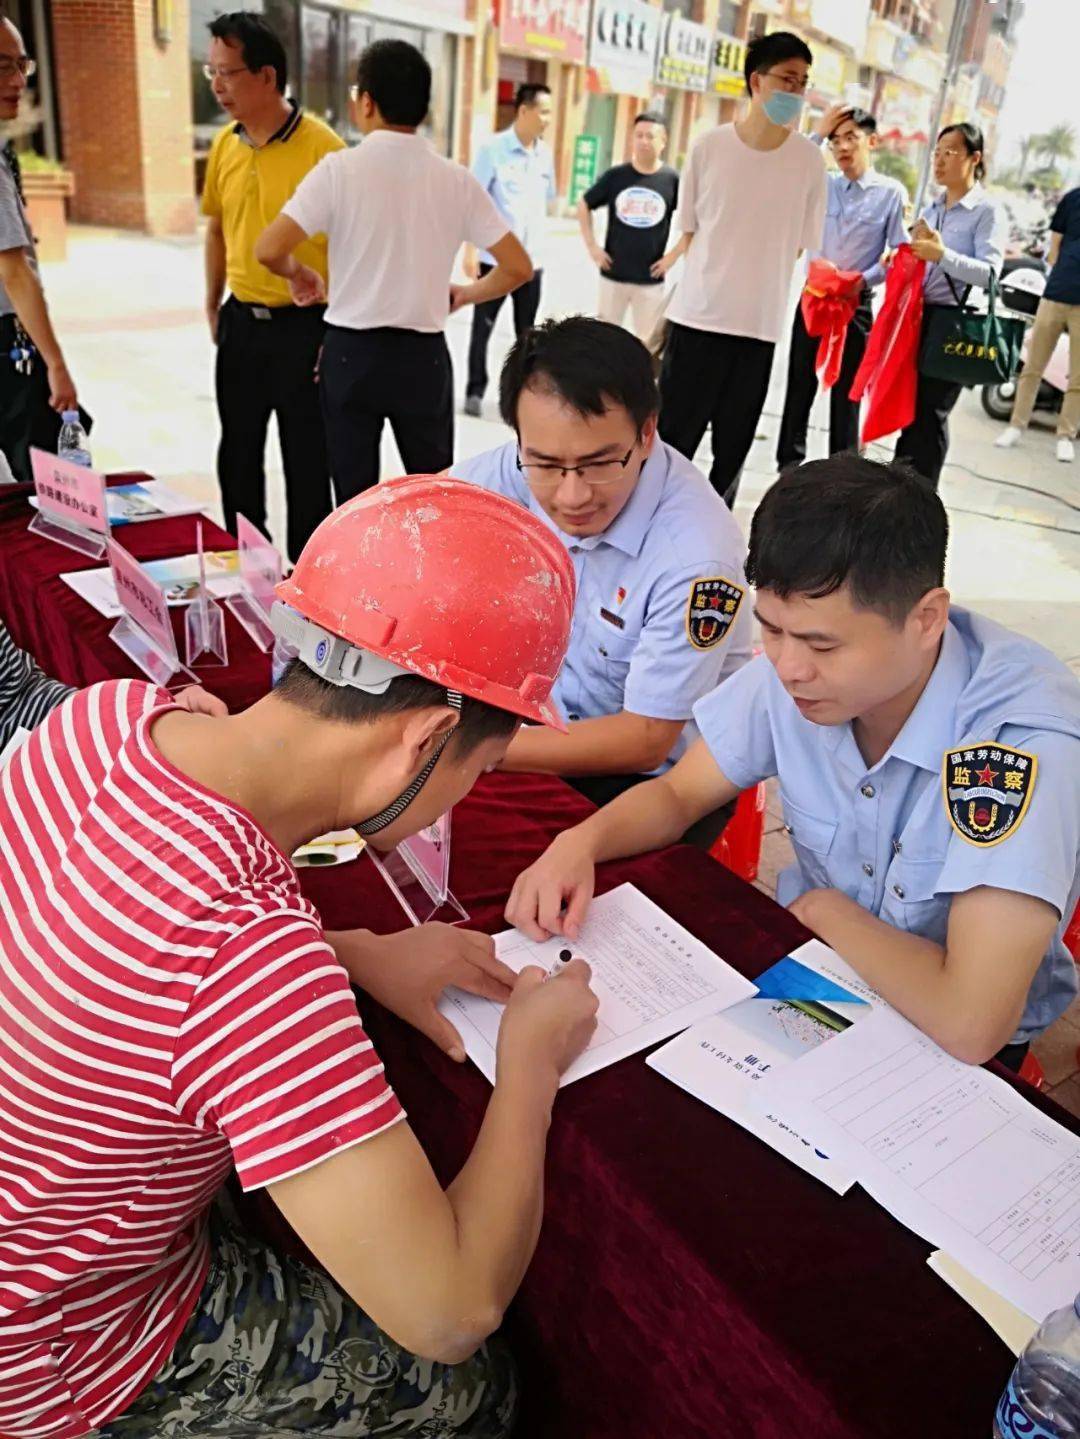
(646,304)
(1052,319)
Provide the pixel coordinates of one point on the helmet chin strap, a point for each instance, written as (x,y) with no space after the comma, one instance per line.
(398,806)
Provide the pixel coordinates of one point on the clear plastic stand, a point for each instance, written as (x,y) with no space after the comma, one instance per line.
(247,614)
(144,631)
(261,572)
(85,542)
(418,872)
(204,620)
(71,504)
(155,663)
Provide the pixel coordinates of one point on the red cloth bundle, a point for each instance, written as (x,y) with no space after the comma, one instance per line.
(889,372)
(829,299)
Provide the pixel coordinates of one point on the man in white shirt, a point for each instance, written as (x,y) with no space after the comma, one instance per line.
(395,214)
(752,199)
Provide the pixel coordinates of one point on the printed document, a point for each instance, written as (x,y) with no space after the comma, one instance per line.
(652,978)
(953,1152)
(804,1000)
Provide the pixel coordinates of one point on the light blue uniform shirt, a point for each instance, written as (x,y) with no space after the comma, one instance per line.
(974,232)
(631,646)
(521,181)
(882,834)
(863,219)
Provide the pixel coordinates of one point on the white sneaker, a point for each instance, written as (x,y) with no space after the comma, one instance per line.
(1009,438)
(1066,450)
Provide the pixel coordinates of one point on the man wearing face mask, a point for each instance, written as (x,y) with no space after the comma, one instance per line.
(752,199)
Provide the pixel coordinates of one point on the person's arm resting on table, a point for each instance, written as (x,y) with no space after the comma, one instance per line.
(967,995)
(552,895)
(623,743)
(436,1269)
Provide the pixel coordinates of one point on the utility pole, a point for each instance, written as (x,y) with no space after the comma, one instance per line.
(948,80)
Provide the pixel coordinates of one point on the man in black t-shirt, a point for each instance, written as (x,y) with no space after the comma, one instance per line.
(641,198)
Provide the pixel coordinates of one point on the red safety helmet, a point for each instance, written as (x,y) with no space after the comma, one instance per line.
(436,577)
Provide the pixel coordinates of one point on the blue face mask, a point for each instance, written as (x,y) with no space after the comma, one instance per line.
(782,107)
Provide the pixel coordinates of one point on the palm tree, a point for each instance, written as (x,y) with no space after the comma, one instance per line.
(1058,143)
(1028,143)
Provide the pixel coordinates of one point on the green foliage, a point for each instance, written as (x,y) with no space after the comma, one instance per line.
(889,162)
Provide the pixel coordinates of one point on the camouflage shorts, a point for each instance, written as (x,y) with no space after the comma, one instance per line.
(275,1348)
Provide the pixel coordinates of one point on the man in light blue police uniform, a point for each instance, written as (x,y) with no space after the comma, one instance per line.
(660,618)
(929,767)
(864,219)
(517,169)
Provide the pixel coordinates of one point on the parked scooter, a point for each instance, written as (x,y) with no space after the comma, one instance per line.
(1022,284)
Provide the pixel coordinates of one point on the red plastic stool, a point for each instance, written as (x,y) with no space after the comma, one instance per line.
(1033,1072)
(738,846)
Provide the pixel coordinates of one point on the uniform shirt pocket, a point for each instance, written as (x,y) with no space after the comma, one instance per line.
(911,901)
(812,837)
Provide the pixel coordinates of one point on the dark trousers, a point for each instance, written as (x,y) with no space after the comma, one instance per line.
(925,442)
(370,376)
(720,380)
(265,367)
(802,386)
(25,416)
(526,302)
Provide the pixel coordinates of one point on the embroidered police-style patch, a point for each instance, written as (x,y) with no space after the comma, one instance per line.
(987,790)
(711,611)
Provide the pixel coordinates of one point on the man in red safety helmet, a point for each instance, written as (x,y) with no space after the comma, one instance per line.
(171,1008)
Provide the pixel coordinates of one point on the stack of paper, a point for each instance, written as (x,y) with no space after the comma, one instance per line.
(950,1150)
(652,978)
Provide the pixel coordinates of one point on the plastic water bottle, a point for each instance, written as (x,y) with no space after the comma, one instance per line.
(1042,1399)
(72,445)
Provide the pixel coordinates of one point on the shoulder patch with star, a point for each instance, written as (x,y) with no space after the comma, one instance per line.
(710,611)
(987,789)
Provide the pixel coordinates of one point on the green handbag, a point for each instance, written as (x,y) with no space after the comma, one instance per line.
(966,347)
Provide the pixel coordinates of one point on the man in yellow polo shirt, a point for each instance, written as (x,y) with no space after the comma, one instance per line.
(267,347)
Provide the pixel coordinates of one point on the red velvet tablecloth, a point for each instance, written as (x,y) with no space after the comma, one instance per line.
(70,639)
(688,1281)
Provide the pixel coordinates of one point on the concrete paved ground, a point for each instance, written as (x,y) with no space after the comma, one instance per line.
(129,313)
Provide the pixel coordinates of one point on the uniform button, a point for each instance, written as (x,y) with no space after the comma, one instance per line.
(868,870)
(898,890)
(868,791)
(896,846)
(788,829)
(574,717)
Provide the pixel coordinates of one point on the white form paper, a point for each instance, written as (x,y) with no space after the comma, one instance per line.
(950,1150)
(723,1058)
(652,978)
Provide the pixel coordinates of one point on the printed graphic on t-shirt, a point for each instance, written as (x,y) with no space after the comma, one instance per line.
(640,208)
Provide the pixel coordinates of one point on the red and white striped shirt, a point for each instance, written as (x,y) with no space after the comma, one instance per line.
(168,1008)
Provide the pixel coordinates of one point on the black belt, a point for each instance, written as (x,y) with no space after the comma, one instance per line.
(276,312)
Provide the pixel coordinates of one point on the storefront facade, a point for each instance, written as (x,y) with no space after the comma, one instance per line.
(323,42)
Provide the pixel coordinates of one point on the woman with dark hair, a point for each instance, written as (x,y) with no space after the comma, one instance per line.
(961,236)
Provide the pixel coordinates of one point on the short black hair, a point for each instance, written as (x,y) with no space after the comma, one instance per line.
(769,50)
(528,95)
(648,117)
(878,528)
(259,44)
(589,363)
(974,143)
(862,118)
(308,691)
(398,79)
